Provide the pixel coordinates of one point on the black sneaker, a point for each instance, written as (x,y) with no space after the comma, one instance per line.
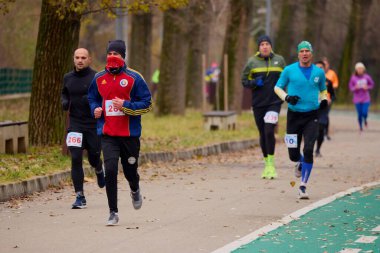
(136,199)
(302,193)
(113,220)
(100,177)
(80,202)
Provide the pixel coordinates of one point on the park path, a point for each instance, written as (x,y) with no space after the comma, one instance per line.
(196,205)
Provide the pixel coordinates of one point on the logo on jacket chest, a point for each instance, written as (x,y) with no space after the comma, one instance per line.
(123,83)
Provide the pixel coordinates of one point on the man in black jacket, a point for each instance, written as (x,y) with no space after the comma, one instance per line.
(260,74)
(82,127)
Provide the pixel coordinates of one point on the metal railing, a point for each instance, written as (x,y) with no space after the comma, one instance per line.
(14,81)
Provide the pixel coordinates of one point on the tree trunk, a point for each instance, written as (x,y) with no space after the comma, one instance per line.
(285,39)
(199,22)
(172,89)
(313,30)
(57,39)
(352,45)
(236,48)
(362,19)
(141,44)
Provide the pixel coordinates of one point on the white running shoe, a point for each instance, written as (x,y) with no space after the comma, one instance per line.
(302,194)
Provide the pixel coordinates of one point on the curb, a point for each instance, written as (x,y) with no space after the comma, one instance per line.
(37,184)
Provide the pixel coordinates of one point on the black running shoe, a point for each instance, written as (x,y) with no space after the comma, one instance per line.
(80,202)
(100,177)
(136,199)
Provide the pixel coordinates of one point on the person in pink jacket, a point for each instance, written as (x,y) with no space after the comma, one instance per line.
(360,84)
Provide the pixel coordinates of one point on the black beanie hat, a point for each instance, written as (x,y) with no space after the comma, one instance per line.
(117,46)
(263,38)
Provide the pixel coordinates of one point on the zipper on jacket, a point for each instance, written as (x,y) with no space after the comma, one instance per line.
(268,63)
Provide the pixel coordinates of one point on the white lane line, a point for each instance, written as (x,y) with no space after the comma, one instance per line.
(350,251)
(293,216)
(376,229)
(366,239)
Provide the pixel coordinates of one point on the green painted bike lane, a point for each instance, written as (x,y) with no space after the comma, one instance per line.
(346,224)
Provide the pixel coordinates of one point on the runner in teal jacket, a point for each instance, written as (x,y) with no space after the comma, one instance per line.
(305,83)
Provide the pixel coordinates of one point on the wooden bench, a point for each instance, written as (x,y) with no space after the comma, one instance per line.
(216,120)
(13,137)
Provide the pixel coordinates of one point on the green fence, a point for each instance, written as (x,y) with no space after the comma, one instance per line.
(15,81)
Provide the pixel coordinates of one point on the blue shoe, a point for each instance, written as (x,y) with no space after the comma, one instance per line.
(80,202)
(136,199)
(100,177)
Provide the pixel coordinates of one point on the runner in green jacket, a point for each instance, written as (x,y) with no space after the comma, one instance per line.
(260,74)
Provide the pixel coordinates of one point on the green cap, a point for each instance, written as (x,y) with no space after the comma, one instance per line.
(304,44)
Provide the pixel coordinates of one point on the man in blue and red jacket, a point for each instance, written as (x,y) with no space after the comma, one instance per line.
(118,96)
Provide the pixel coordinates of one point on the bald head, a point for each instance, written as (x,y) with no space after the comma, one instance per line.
(81,59)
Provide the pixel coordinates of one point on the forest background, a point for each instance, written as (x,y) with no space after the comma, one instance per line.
(172,36)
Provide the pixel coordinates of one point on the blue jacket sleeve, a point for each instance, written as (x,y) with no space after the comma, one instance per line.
(322,82)
(141,99)
(94,98)
(282,82)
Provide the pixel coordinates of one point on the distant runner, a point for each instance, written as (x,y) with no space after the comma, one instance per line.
(323,114)
(333,77)
(360,84)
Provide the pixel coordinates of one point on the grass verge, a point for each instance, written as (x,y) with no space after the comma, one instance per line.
(169,133)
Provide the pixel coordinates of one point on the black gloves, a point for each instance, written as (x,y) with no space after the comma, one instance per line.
(293,100)
(323,104)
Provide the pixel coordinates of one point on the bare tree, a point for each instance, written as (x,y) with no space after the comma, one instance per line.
(53,59)
(352,45)
(199,26)
(285,37)
(315,11)
(172,89)
(141,43)
(236,48)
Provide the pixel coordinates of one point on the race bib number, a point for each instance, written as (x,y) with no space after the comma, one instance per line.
(111,110)
(74,139)
(291,140)
(362,83)
(271,117)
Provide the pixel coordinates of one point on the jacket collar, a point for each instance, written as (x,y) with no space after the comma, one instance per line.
(258,55)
